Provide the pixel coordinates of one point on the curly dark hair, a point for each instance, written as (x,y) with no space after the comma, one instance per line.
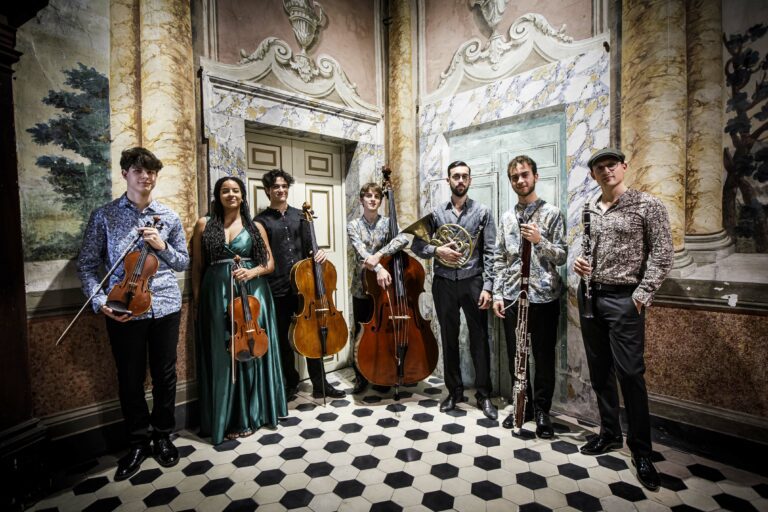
(140,157)
(213,234)
(269,179)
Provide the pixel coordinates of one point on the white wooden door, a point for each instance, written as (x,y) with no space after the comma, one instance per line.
(317,171)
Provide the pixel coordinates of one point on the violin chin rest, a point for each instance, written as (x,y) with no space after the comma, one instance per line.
(118,308)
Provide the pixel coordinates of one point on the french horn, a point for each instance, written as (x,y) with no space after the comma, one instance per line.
(446,234)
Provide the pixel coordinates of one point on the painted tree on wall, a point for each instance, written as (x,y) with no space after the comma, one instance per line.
(749,160)
(82,127)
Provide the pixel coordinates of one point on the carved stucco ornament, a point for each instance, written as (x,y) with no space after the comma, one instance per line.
(492,11)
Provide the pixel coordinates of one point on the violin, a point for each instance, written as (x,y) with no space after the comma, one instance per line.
(397,346)
(319,329)
(132,295)
(249,340)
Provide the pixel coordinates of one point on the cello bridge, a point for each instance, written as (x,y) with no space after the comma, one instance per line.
(400,317)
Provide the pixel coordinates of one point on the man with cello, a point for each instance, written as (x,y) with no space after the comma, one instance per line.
(290,244)
(136,337)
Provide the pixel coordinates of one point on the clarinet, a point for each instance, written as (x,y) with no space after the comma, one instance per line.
(522,342)
(586,244)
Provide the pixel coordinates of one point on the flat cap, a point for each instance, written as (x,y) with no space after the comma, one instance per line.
(604,153)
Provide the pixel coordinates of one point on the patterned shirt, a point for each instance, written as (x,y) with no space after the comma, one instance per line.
(477,219)
(545,282)
(368,239)
(286,235)
(631,243)
(110,230)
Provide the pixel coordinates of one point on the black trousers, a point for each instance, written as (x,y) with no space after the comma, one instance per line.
(286,307)
(543,320)
(131,343)
(614,341)
(451,297)
(362,309)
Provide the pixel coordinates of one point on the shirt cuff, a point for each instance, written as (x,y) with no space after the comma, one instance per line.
(377,267)
(642,296)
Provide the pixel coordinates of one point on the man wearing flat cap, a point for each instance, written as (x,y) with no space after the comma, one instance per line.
(631,254)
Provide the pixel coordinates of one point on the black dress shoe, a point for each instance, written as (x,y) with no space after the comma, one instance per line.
(509,422)
(361,384)
(164,452)
(330,392)
(448,404)
(599,445)
(646,473)
(130,464)
(485,405)
(544,428)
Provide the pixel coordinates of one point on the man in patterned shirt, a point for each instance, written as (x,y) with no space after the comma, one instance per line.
(111,229)
(466,288)
(541,224)
(369,235)
(631,254)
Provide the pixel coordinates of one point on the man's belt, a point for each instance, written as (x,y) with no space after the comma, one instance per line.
(613,288)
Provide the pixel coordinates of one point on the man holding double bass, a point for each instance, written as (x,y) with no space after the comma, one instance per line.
(137,337)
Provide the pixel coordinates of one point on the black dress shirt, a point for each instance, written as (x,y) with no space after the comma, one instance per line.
(287,234)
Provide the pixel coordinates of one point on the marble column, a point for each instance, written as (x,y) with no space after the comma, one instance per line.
(168,101)
(124,84)
(654,98)
(705,238)
(402,115)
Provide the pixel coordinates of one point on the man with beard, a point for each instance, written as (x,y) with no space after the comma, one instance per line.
(542,225)
(466,287)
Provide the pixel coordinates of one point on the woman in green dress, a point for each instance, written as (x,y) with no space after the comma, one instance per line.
(257,397)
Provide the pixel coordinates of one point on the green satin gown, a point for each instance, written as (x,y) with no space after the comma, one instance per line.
(258,395)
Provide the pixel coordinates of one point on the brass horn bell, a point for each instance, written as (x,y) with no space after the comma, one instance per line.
(445,234)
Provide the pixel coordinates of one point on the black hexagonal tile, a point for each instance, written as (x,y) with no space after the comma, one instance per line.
(365,462)
(318,469)
(437,500)
(351,428)
(290,421)
(398,480)
(246,460)
(488,423)
(627,491)
(161,497)
(311,433)
(269,477)
(416,434)
(449,447)
(405,394)
(244,505)
(372,399)
(611,462)
(531,480)
(229,444)
(453,428)
(487,441)
(349,489)
(734,503)
(387,423)
(657,457)
(396,408)
(573,471)
(337,446)
(427,403)
(524,434)
(761,489)
(362,412)
(217,486)
(486,490)
(90,486)
(378,440)
(487,462)
(560,428)
(327,416)
(408,455)
(306,407)
(185,451)
(423,417)
(435,380)
(527,455)
(444,471)
(432,391)
(564,447)
(102,505)
(684,508)
(293,453)
(386,506)
(340,403)
(457,413)
(296,499)
(672,483)
(534,507)
(270,439)
(200,467)
(583,502)
(706,472)
(146,476)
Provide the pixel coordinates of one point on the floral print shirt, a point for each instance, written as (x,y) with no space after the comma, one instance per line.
(368,239)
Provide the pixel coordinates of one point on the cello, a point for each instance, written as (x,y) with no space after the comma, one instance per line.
(319,329)
(397,346)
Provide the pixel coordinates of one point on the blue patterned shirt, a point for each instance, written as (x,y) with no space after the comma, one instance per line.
(110,230)
(368,239)
(545,282)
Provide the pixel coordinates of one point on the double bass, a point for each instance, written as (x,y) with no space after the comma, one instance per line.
(319,329)
(397,346)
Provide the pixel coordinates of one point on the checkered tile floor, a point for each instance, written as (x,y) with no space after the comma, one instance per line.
(380,455)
